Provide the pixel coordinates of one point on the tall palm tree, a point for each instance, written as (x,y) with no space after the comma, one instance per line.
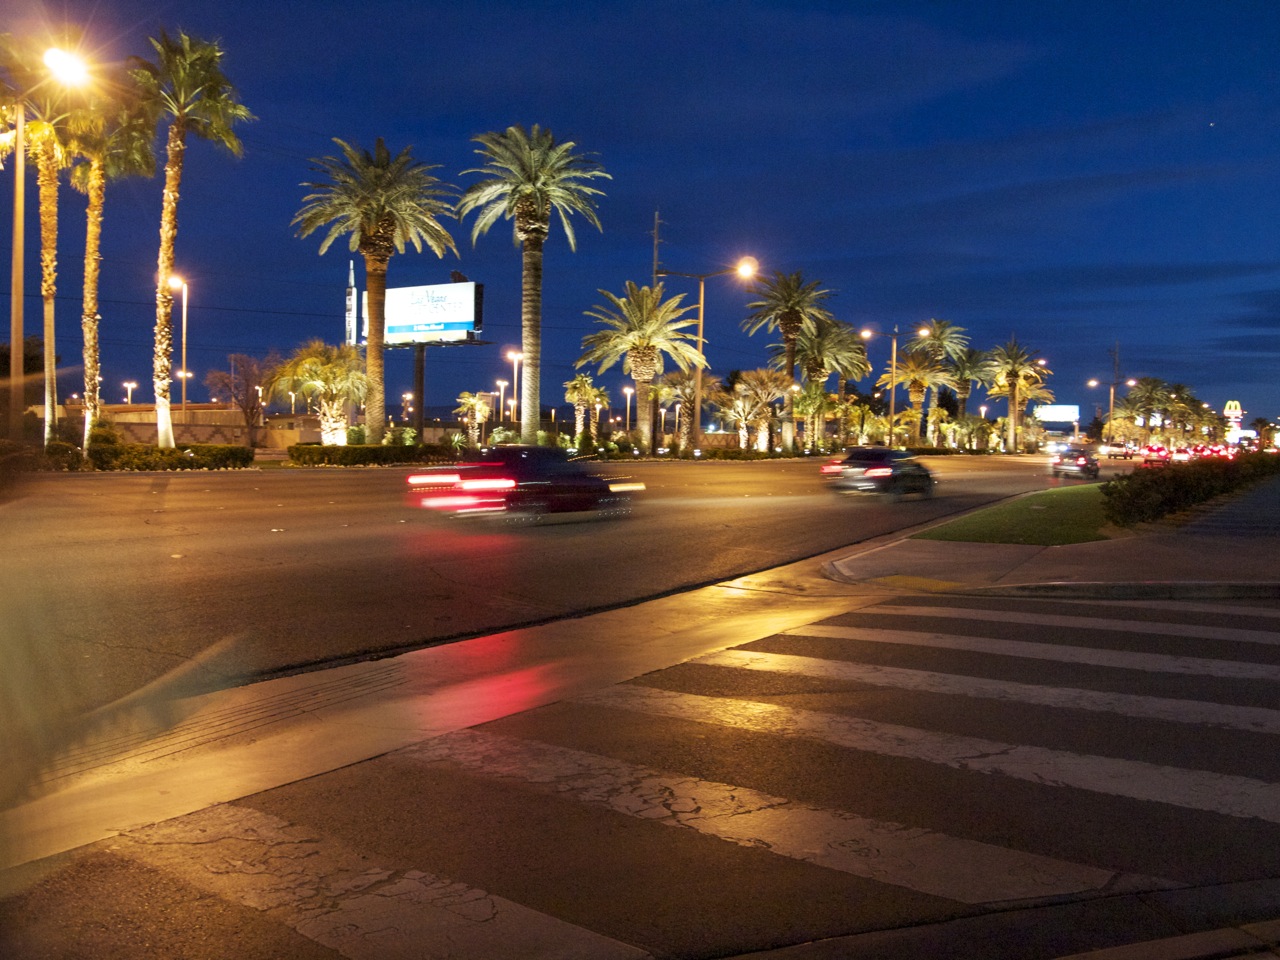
(331,377)
(683,387)
(1149,398)
(789,305)
(943,341)
(474,409)
(580,391)
(968,367)
(49,107)
(762,388)
(640,328)
(832,346)
(112,139)
(528,175)
(1015,369)
(599,398)
(381,202)
(186,85)
(919,373)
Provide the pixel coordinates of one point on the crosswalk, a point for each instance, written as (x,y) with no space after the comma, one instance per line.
(917,760)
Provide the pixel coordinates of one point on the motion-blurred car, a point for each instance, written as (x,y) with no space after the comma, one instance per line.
(878,470)
(521,483)
(1119,451)
(1155,456)
(1074,462)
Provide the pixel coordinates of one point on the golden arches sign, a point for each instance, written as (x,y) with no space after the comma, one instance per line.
(1233,411)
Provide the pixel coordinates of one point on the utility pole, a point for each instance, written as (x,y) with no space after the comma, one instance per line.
(656,241)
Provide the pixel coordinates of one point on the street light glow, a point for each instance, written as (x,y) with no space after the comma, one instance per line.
(67,67)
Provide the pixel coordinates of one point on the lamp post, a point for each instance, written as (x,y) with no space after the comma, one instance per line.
(177,283)
(515,357)
(893,368)
(502,391)
(628,391)
(70,71)
(746,269)
(129,386)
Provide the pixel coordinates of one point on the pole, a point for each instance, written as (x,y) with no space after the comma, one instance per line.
(17,353)
(697,374)
(893,379)
(186,374)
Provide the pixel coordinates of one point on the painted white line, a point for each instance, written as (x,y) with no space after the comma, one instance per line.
(963,870)
(1193,789)
(1150,662)
(1191,606)
(1257,719)
(341,900)
(1084,623)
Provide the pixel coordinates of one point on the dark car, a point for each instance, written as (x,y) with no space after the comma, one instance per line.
(519,482)
(878,470)
(1074,462)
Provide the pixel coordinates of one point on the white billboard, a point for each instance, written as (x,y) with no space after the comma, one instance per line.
(1057,413)
(438,313)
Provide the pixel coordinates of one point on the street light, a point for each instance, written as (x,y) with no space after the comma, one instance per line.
(502,390)
(746,269)
(70,71)
(177,283)
(130,386)
(867,334)
(1111,405)
(515,357)
(628,391)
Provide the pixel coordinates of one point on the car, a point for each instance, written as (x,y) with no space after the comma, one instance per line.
(521,483)
(1155,456)
(1074,462)
(1119,451)
(878,470)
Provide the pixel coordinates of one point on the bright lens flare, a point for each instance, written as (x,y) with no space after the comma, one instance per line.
(67,67)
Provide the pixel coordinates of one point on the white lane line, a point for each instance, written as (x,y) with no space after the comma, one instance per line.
(1190,606)
(1257,719)
(966,871)
(341,900)
(1194,789)
(1084,623)
(1150,662)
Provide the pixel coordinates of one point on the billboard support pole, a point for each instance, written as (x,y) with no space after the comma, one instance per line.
(419,387)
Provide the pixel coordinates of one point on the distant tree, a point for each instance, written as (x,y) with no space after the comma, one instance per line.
(244,384)
(1017,374)
(581,392)
(332,377)
(474,410)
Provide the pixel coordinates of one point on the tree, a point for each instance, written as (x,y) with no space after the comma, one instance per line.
(185,84)
(640,329)
(789,305)
(1149,400)
(749,402)
(332,377)
(528,175)
(968,367)
(832,346)
(244,384)
(474,409)
(919,373)
(381,202)
(112,139)
(581,392)
(1016,370)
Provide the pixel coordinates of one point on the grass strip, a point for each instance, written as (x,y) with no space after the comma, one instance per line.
(1048,518)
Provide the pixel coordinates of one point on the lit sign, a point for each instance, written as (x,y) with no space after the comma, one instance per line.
(1233,411)
(439,313)
(1057,413)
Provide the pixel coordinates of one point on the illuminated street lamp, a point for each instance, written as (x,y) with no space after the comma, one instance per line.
(628,391)
(177,283)
(1111,405)
(69,70)
(129,386)
(746,269)
(515,357)
(502,389)
(893,368)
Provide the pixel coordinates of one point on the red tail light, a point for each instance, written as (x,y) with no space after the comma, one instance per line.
(488,483)
(879,472)
(436,479)
(1082,460)
(835,466)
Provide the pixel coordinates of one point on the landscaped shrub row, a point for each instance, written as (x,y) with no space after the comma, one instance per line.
(1149,494)
(354,455)
(142,456)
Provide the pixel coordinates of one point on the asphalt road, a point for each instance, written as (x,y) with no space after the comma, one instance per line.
(114,581)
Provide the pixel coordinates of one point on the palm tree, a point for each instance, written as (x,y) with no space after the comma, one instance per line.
(640,329)
(968,367)
(112,139)
(919,373)
(580,392)
(789,305)
(48,109)
(528,175)
(943,341)
(1014,370)
(683,387)
(382,202)
(474,409)
(832,346)
(332,377)
(1149,398)
(599,397)
(762,388)
(185,84)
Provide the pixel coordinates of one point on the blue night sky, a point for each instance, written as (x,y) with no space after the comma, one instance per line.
(1075,174)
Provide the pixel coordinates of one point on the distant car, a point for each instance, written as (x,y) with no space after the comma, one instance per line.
(878,470)
(521,483)
(1119,451)
(1074,462)
(1155,456)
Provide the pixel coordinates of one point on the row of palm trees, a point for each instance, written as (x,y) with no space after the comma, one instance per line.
(104,132)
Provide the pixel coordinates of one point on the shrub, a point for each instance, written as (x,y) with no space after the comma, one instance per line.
(143,456)
(1149,494)
(357,455)
(60,455)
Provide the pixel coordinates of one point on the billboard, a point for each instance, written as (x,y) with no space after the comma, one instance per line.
(1057,413)
(438,313)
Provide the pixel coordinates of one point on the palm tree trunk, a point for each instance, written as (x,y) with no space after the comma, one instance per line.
(644,414)
(375,404)
(162,373)
(531,335)
(89,318)
(1013,417)
(788,410)
(917,403)
(47,176)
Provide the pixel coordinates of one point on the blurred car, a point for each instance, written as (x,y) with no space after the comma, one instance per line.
(1181,455)
(521,483)
(1119,451)
(1155,456)
(1074,462)
(878,470)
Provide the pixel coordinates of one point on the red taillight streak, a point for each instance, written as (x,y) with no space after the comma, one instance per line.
(434,479)
(492,483)
(831,468)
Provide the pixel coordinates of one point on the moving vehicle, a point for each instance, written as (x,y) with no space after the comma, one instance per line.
(1074,462)
(521,483)
(878,470)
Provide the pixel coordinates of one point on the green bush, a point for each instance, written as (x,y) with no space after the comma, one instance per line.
(60,455)
(358,455)
(1148,494)
(144,456)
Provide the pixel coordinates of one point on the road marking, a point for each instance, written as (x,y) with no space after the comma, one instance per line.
(1084,623)
(1256,719)
(1150,662)
(1188,606)
(339,899)
(1194,789)
(966,871)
